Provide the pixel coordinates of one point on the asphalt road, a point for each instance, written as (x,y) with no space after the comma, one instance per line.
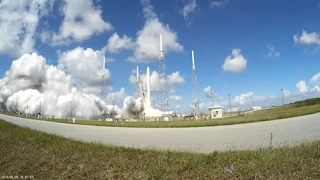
(199,139)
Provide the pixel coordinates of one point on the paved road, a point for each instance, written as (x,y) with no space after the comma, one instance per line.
(200,139)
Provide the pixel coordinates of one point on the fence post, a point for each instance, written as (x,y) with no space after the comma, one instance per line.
(271,140)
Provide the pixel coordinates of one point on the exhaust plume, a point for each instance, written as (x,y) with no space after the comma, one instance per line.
(31,86)
(132,107)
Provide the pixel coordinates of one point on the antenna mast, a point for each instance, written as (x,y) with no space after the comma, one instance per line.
(195,99)
(162,74)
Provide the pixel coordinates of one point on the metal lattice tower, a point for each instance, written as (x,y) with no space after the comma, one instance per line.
(104,81)
(163,102)
(139,89)
(195,100)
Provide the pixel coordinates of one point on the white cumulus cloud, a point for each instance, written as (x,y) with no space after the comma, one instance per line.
(209,92)
(117,43)
(302,86)
(172,79)
(175,78)
(286,93)
(176,98)
(82,19)
(272,51)
(315,78)
(219,3)
(244,98)
(315,89)
(19,22)
(148,42)
(188,9)
(307,38)
(235,62)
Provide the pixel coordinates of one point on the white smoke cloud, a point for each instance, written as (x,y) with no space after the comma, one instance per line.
(117,96)
(31,86)
(132,107)
(85,67)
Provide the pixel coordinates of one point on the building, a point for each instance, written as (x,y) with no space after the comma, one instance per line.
(256,108)
(215,112)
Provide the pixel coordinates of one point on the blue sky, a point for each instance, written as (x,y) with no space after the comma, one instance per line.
(212,32)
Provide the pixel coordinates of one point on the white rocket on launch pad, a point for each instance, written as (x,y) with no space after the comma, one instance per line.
(145,93)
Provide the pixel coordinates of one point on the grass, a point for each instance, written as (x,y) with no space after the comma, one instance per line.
(28,152)
(263,115)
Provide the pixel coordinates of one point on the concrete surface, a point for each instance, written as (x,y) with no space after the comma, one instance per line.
(198,139)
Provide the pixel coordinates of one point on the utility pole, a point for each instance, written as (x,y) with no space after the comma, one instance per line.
(229,104)
(282,98)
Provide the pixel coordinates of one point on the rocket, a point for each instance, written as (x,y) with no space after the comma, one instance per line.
(148,100)
(161,50)
(193,64)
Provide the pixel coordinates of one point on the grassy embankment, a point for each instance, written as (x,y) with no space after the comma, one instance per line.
(263,115)
(29,152)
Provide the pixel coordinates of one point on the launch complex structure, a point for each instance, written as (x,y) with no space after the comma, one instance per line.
(163,101)
(144,91)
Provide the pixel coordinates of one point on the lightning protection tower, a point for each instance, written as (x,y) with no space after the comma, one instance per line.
(104,81)
(163,102)
(104,78)
(139,89)
(195,97)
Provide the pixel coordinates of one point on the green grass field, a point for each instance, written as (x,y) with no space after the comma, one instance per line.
(263,115)
(43,156)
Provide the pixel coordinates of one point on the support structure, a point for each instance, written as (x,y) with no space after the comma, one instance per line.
(104,79)
(104,83)
(195,97)
(163,100)
(139,89)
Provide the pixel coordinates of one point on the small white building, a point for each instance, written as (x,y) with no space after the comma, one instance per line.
(256,108)
(167,113)
(215,112)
